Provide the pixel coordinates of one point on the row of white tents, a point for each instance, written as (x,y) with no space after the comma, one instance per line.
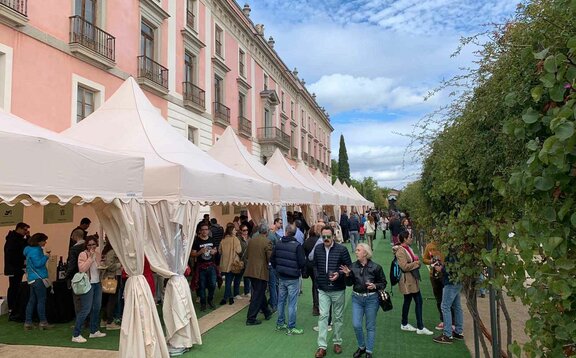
(146,187)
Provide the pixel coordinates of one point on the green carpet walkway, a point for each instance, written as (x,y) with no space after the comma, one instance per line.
(233,338)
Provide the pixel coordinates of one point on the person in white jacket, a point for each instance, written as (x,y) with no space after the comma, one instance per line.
(370,230)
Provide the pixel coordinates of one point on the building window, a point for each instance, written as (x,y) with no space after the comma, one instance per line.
(84,103)
(191,14)
(282,100)
(292,110)
(218,39)
(5,77)
(218,89)
(292,139)
(193,135)
(241,104)
(267,118)
(283,127)
(87,10)
(241,63)
(189,67)
(147,40)
(302,143)
(302,118)
(309,131)
(265,82)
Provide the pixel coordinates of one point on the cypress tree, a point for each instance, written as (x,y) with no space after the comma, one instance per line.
(343,166)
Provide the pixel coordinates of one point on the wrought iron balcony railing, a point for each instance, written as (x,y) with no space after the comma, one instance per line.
(92,37)
(152,70)
(194,94)
(221,114)
(20,6)
(245,126)
(274,135)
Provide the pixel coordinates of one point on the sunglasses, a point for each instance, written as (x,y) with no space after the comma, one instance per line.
(326,237)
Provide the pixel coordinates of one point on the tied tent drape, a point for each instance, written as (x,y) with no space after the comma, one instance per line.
(125,225)
(168,244)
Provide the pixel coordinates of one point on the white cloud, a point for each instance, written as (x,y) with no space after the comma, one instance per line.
(340,93)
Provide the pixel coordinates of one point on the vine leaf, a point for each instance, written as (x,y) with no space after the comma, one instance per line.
(531,116)
(544,184)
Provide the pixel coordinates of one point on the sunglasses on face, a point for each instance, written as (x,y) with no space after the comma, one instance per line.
(326,237)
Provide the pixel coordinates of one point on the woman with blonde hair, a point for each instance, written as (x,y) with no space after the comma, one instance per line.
(230,250)
(366,278)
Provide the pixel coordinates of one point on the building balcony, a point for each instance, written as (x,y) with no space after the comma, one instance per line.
(305,157)
(221,114)
(194,97)
(294,153)
(244,127)
(190,19)
(91,43)
(14,12)
(275,136)
(152,75)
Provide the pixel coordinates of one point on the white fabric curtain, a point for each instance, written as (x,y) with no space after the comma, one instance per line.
(125,225)
(171,228)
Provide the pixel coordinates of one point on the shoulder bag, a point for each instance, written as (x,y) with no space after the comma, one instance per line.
(384,300)
(238,263)
(109,285)
(45,281)
(81,283)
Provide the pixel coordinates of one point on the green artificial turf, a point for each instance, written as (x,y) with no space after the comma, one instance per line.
(233,338)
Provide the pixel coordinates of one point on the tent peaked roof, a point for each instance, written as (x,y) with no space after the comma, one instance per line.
(278,164)
(66,170)
(230,151)
(175,169)
(303,170)
(344,192)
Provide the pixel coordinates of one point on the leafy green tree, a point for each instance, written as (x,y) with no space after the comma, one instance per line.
(343,166)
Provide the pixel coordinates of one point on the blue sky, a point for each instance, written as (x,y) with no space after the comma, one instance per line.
(371,62)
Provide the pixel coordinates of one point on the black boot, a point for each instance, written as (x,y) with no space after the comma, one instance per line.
(359,353)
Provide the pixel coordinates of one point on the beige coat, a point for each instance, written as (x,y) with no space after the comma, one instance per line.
(408,283)
(258,256)
(229,249)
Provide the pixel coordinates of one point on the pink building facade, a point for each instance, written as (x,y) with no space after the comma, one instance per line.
(203,63)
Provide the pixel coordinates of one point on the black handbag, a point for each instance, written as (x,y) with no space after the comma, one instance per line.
(384,300)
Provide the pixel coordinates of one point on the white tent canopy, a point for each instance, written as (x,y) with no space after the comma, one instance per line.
(345,193)
(231,152)
(177,174)
(334,197)
(175,168)
(39,165)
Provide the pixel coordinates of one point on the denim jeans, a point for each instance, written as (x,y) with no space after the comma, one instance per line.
(337,299)
(354,239)
(288,293)
(273,288)
(231,278)
(406,308)
(207,281)
(37,300)
(451,300)
(365,306)
(90,304)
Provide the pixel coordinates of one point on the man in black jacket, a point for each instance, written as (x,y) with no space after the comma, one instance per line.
(328,257)
(288,260)
(345,225)
(14,262)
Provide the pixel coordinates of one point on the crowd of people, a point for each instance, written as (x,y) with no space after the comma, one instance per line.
(269,261)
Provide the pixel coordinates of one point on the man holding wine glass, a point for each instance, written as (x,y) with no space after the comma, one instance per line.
(328,257)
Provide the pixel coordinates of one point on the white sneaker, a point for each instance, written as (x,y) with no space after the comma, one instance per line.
(79,339)
(248,295)
(424,331)
(408,327)
(97,334)
(317,329)
(239,297)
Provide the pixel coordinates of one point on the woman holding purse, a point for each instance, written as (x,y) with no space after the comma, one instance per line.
(111,272)
(36,273)
(366,278)
(230,250)
(91,301)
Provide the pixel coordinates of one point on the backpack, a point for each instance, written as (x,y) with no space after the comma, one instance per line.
(395,272)
(81,283)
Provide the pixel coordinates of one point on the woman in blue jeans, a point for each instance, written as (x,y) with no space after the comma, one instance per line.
(366,278)
(90,302)
(36,271)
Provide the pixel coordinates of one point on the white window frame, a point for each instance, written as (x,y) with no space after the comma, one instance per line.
(195,134)
(99,94)
(222,54)
(6,65)
(242,51)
